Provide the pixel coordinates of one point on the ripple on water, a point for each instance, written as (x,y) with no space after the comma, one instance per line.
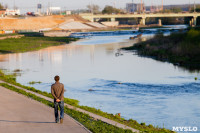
(170,105)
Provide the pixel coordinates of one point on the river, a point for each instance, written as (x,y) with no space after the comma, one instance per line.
(143,89)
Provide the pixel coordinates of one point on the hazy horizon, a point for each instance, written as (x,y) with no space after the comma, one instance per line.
(25,5)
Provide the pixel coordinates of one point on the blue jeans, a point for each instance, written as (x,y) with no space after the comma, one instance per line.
(61,105)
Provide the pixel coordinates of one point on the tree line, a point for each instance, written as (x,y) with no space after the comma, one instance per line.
(1,6)
(113,10)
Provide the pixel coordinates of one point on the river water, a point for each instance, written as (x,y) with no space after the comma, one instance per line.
(143,89)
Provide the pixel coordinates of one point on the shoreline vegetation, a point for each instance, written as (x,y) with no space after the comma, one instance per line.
(30,42)
(86,120)
(35,41)
(181,49)
(93,125)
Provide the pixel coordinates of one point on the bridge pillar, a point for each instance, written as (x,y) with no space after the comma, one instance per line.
(160,22)
(112,19)
(190,22)
(195,21)
(143,21)
(96,19)
(91,19)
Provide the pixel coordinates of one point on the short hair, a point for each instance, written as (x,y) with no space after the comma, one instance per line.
(56,78)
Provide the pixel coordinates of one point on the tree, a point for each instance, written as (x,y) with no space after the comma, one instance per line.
(94,8)
(176,10)
(197,9)
(1,6)
(172,10)
(166,11)
(110,10)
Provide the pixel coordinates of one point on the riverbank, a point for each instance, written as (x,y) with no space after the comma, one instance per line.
(131,123)
(31,42)
(22,119)
(182,49)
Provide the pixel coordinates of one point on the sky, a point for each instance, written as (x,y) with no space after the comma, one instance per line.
(30,5)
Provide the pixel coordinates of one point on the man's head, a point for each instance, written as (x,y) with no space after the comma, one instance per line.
(57,78)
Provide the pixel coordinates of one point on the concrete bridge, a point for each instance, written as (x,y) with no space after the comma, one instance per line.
(113,17)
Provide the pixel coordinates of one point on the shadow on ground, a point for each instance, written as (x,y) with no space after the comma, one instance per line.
(25,121)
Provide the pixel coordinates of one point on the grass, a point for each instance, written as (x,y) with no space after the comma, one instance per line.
(181,48)
(31,42)
(96,126)
(132,123)
(34,82)
(11,34)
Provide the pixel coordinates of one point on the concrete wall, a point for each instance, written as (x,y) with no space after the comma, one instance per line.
(57,33)
(111,24)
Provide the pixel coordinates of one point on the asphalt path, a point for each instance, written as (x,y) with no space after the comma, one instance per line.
(20,114)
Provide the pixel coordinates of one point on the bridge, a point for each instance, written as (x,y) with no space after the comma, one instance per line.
(113,17)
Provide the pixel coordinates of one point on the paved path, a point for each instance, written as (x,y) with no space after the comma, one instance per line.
(19,114)
(98,117)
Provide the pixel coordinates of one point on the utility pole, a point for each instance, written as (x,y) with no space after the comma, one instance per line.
(114,4)
(141,7)
(189,6)
(132,10)
(162,5)
(14,5)
(194,6)
(48,10)
(91,7)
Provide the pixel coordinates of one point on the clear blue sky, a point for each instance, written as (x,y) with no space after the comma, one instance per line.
(30,5)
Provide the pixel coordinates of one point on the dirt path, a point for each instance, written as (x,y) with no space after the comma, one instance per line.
(16,36)
(20,114)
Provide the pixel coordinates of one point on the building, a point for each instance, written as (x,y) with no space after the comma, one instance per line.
(2,12)
(133,7)
(12,12)
(68,12)
(53,10)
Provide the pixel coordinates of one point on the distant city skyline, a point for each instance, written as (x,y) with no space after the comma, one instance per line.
(30,5)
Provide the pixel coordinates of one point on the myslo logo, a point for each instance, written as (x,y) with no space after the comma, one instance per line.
(185,129)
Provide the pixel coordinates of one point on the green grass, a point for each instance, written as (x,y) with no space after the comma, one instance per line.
(11,34)
(132,123)
(93,125)
(180,48)
(31,42)
(34,82)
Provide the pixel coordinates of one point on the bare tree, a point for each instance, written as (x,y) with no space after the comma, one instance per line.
(94,8)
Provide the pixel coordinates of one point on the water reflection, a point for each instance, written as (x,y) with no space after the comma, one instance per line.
(151,91)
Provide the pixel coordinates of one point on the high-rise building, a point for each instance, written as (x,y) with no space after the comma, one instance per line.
(131,7)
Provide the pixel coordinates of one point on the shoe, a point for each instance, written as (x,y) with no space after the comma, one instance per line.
(57,121)
(61,121)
